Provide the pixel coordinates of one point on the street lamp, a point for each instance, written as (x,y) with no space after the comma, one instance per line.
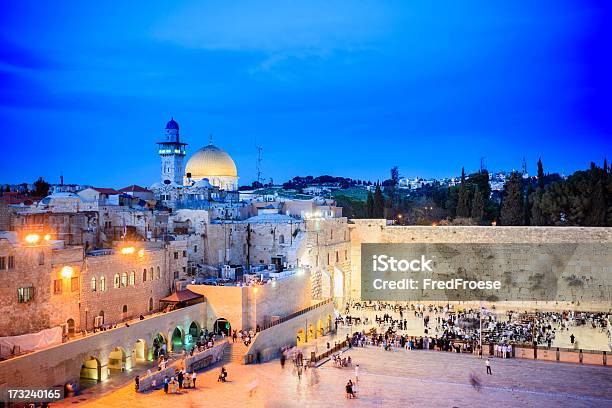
(32,238)
(66,272)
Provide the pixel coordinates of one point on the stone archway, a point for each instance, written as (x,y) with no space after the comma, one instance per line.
(194,330)
(158,342)
(222,326)
(329,323)
(71,328)
(140,352)
(320,329)
(117,360)
(177,338)
(91,372)
(311,332)
(300,337)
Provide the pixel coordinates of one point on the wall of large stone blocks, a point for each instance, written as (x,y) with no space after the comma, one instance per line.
(328,253)
(377,231)
(136,297)
(37,267)
(59,364)
(232,243)
(245,309)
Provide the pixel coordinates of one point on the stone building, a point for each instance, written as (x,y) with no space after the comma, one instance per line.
(47,284)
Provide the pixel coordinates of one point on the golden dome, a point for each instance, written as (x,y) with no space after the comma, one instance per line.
(211,161)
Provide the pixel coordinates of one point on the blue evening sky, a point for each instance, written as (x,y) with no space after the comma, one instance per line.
(325,87)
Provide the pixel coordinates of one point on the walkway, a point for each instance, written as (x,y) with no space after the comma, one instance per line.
(392,379)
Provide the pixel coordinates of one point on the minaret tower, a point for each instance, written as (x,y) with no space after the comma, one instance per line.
(172,152)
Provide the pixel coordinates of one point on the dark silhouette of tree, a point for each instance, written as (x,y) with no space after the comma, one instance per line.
(463,204)
(379,202)
(511,211)
(41,188)
(477,205)
(370,205)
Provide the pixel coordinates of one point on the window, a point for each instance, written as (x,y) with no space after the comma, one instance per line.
(337,256)
(175,274)
(176,255)
(124,309)
(195,248)
(184,254)
(328,258)
(57,286)
(150,304)
(116,282)
(151,273)
(41,258)
(345,254)
(124,279)
(281,239)
(102,284)
(93,284)
(132,278)
(2,262)
(144,275)
(74,284)
(11,262)
(24,295)
(158,273)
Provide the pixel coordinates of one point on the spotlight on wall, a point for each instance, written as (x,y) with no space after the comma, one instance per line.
(32,238)
(67,272)
(128,250)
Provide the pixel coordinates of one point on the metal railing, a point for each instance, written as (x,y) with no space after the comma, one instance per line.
(336,348)
(298,313)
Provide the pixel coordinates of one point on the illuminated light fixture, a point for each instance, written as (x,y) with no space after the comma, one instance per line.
(128,250)
(32,238)
(273,282)
(47,237)
(255,289)
(300,271)
(67,272)
(434,225)
(141,253)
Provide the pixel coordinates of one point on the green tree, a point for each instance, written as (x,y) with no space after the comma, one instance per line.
(527,205)
(370,205)
(477,205)
(41,188)
(540,174)
(452,198)
(463,204)
(379,202)
(511,211)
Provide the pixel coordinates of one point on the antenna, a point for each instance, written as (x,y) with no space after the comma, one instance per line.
(259,160)
(482,165)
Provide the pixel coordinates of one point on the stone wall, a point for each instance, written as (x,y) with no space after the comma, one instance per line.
(60,364)
(244,308)
(377,231)
(37,267)
(311,325)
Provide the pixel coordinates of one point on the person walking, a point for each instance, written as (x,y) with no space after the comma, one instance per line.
(488,364)
(193,378)
(356,373)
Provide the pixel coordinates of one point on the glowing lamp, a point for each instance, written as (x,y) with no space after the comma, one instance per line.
(128,250)
(255,289)
(32,238)
(141,253)
(300,271)
(67,272)
(47,237)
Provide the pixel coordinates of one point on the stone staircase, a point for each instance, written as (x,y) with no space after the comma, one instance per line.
(234,352)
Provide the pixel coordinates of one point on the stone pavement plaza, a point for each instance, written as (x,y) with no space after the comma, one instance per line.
(400,378)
